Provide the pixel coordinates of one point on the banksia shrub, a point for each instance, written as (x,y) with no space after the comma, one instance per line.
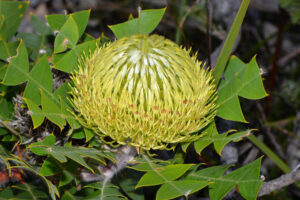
(144,91)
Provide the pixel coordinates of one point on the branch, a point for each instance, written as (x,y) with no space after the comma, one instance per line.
(278,183)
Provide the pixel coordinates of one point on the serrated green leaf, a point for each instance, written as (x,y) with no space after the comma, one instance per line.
(52,111)
(74,156)
(13,12)
(16,72)
(144,24)
(56,21)
(254,87)
(246,178)
(211,136)
(67,37)
(173,189)
(65,178)
(39,25)
(144,165)
(3,131)
(6,109)
(68,62)
(49,167)
(3,68)
(240,80)
(81,18)
(128,184)
(37,115)
(38,151)
(41,79)
(74,153)
(89,134)
(221,140)
(58,155)
(170,173)
(69,194)
(24,192)
(105,191)
(30,39)
(8,49)
(78,134)
(62,93)
(21,164)
(40,147)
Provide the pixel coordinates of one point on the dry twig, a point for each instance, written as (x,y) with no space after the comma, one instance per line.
(278,183)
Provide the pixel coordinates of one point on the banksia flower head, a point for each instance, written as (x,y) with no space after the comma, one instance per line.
(144,91)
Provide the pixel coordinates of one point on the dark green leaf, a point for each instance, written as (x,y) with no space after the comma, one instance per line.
(240,80)
(67,37)
(173,189)
(18,67)
(52,111)
(8,49)
(68,61)
(49,167)
(246,178)
(170,173)
(144,24)
(40,78)
(12,12)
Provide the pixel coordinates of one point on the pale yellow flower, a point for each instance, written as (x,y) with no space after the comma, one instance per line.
(144,91)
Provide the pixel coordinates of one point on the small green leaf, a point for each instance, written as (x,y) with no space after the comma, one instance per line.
(6,109)
(246,178)
(173,189)
(105,191)
(66,178)
(8,49)
(12,12)
(52,111)
(56,21)
(67,37)
(18,67)
(89,134)
(81,18)
(49,167)
(170,173)
(41,79)
(37,115)
(68,62)
(144,24)
(31,40)
(39,25)
(240,80)
(128,184)
(78,134)
(3,132)
(58,156)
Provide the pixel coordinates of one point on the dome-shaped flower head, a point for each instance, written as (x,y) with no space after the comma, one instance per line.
(144,91)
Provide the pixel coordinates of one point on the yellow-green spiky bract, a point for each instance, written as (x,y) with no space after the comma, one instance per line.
(144,91)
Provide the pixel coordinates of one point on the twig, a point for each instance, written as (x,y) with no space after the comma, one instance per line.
(187,13)
(278,183)
(289,56)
